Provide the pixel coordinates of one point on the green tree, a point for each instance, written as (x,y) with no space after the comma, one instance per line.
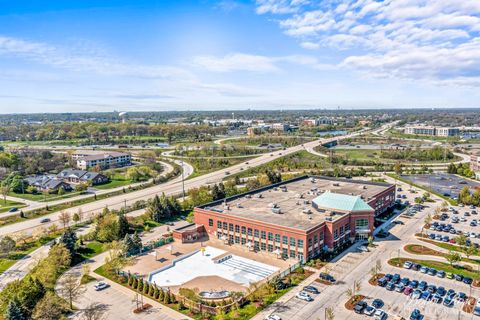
(69,239)
(123,226)
(7,245)
(51,307)
(14,312)
(453,257)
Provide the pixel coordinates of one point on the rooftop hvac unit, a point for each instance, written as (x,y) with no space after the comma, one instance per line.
(248,196)
(307,211)
(328,218)
(313,180)
(239,205)
(298,203)
(336,184)
(306,202)
(364,187)
(276,210)
(272,205)
(259,196)
(227,207)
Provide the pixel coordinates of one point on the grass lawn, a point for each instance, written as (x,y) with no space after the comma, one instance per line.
(7,205)
(465,271)
(375,155)
(114,183)
(40,197)
(91,249)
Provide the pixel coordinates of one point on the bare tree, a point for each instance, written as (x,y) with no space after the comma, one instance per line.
(64,218)
(329,314)
(94,311)
(4,191)
(71,288)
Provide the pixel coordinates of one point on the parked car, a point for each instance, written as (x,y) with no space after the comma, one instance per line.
(408,291)
(467,280)
(101,285)
(390,286)
(422,285)
(437,298)
(311,289)
(448,302)
(425,295)
(360,307)
(407,264)
(304,296)
(441,274)
(458,277)
(416,294)
(369,311)
(327,277)
(273,317)
(45,220)
(379,315)
(476,309)
(416,315)
(377,303)
(13,209)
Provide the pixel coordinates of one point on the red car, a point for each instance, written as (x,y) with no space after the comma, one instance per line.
(452,241)
(408,291)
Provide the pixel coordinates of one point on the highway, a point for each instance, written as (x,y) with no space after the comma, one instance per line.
(173,187)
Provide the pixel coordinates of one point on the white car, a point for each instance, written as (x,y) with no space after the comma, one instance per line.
(380,315)
(363,249)
(304,296)
(273,317)
(101,285)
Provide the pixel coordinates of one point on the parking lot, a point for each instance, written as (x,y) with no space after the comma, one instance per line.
(445,184)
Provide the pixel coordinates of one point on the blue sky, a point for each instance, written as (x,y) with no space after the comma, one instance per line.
(96,55)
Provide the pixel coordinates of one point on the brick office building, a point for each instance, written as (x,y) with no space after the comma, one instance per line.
(298,218)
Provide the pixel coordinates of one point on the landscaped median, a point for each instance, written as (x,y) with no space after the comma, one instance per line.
(464,270)
(422,250)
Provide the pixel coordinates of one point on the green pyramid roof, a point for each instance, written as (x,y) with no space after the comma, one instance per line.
(341,202)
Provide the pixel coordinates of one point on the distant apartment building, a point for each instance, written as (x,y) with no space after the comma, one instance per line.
(285,127)
(317,122)
(104,159)
(432,131)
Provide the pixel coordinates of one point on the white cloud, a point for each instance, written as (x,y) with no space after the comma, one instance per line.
(253,63)
(237,62)
(65,58)
(412,39)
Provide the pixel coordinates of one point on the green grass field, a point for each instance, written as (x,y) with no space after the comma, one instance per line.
(7,205)
(114,183)
(40,197)
(9,260)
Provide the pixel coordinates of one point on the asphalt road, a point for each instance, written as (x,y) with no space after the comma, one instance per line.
(173,187)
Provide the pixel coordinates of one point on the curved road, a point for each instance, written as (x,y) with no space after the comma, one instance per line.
(173,187)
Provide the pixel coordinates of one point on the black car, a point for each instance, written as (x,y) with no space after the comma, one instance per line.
(458,277)
(467,280)
(377,303)
(327,277)
(311,289)
(396,278)
(382,282)
(416,266)
(360,307)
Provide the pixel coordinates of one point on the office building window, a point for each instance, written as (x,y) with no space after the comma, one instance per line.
(285,240)
(277,238)
(293,241)
(263,234)
(244,230)
(270,236)
(219,224)
(230,227)
(210,222)
(237,228)
(255,233)
(249,231)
